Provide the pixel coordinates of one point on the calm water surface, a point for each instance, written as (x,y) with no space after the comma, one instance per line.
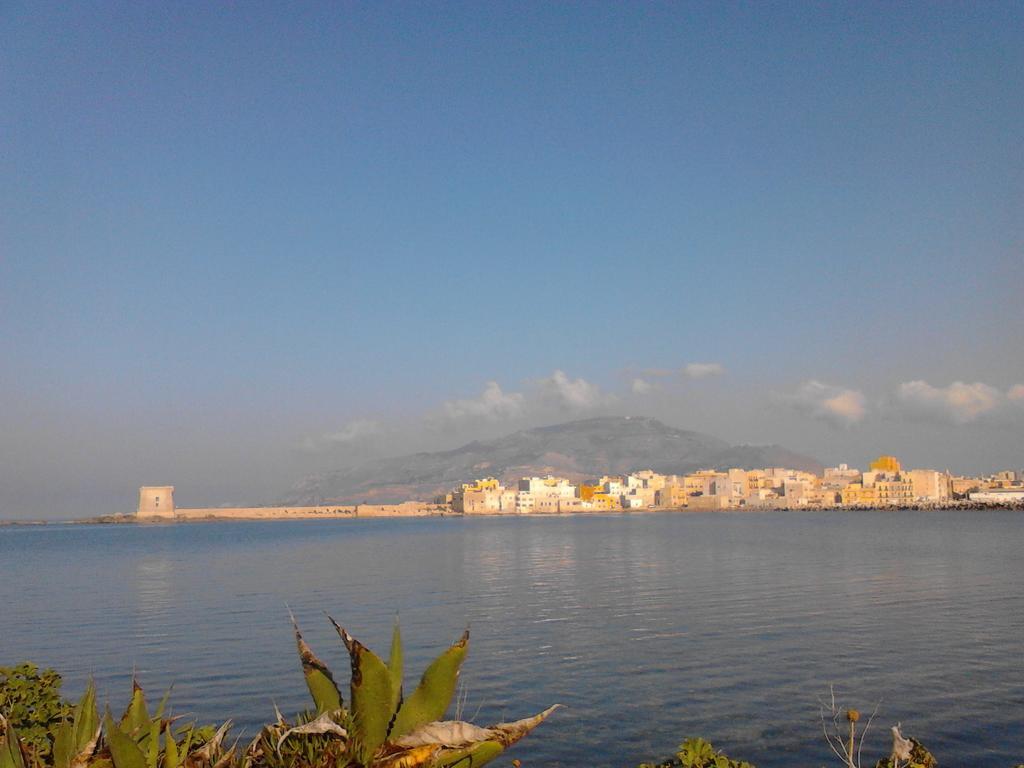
(648,628)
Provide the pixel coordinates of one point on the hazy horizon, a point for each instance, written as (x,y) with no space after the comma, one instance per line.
(242,244)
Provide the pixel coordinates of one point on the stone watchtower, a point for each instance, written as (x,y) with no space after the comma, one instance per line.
(156,501)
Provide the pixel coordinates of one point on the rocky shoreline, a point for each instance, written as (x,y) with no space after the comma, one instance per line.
(130,519)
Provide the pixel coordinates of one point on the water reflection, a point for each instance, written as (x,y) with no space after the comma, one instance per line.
(650,628)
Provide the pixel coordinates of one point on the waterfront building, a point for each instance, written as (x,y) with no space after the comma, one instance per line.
(885,464)
(841,476)
(859,495)
(673,495)
(895,491)
(484,497)
(999,495)
(960,487)
(546,495)
(823,497)
(156,501)
(929,485)
(646,478)
(604,502)
(703,482)
(795,493)
(702,503)
(613,485)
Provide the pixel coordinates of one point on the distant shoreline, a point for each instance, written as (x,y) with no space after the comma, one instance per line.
(132,519)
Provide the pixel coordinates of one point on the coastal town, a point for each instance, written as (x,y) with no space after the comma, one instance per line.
(885,484)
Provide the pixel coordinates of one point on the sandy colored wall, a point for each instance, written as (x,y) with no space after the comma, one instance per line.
(406,509)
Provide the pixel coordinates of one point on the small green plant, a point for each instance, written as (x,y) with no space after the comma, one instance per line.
(380,728)
(30,702)
(698,753)
(81,739)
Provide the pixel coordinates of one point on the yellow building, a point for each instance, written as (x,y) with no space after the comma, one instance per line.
(898,491)
(673,496)
(885,464)
(600,500)
(704,481)
(484,484)
(857,495)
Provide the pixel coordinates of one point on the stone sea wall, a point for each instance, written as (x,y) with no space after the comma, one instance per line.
(405,509)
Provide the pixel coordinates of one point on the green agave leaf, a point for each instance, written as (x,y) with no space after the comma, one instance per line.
(319,679)
(10,750)
(468,757)
(152,745)
(136,717)
(432,696)
(186,742)
(64,744)
(395,667)
(162,706)
(84,733)
(171,759)
(123,750)
(371,697)
(76,738)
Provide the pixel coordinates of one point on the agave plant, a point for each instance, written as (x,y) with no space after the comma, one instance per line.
(382,727)
(137,740)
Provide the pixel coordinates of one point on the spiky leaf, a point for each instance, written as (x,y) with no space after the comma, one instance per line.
(319,679)
(444,733)
(10,749)
(123,749)
(171,759)
(211,751)
(370,697)
(509,733)
(76,739)
(456,734)
(395,667)
(432,696)
(152,745)
(136,717)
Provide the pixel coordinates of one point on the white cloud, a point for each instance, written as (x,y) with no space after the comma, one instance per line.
(354,431)
(543,398)
(563,393)
(838,406)
(960,402)
(702,370)
(493,404)
(641,386)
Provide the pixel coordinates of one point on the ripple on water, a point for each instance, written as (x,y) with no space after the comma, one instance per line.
(649,628)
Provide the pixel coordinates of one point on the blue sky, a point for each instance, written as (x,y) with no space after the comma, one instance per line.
(228,230)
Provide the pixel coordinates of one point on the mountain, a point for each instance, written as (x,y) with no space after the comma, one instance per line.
(576,449)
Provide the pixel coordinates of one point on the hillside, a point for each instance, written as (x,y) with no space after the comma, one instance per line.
(575,449)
